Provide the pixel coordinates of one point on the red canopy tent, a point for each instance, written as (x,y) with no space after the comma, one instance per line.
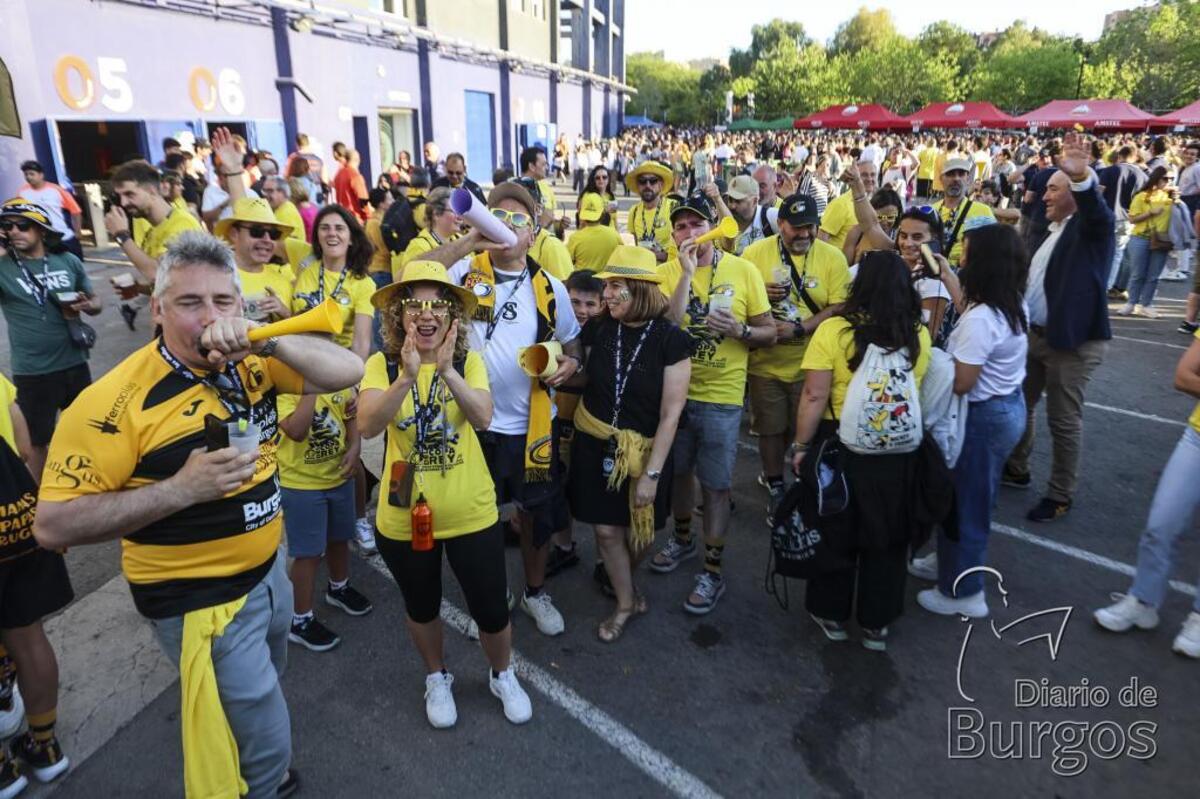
(872,116)
(1189,116)
(961,115)
(1103,114)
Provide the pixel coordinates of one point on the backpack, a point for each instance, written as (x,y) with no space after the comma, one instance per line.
(882,411)
(399,225)
(944,412)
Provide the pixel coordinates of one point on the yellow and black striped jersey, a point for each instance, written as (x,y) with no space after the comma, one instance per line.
(136,426)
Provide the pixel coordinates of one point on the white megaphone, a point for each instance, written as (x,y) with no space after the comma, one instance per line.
(468,207)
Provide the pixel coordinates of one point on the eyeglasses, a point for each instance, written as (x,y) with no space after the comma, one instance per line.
(22,225)
(888,218)
(439,308)
(518,219)
(648,181)
(259,231)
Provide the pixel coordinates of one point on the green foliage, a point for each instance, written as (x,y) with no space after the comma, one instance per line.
(765,39)
(866,30)
(1158,51)
(1026,69)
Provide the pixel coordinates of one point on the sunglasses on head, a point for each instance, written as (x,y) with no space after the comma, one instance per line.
(648,181)
(517,219)
(259,231)
(20,224)
(438,308)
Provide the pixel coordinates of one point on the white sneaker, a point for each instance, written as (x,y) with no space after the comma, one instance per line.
(1145,311)
(439,700)
(1174,275)
(1124,310)
(542,610)
(1126,613)
(364,533)
(933,600)
(1188,640)
(517,708)
(11,719)
(925,568)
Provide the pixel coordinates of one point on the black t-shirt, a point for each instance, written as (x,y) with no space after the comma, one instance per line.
(664,346)
(1121,181)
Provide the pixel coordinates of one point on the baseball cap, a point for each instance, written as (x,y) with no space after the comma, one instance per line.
(512,191)
(955,164)
(591,207)
(741,187)
(799,209)
(698,203)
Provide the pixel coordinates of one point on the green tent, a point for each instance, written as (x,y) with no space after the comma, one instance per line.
(782,123)
(746,124)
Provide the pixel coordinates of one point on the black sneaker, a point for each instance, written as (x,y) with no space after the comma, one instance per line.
(1047,510)
(44,760)
(290,784)
(1118,294)
(348,599)
(600,576)
(313,635)
(561,559)
(12,781)
(129,314)
(1187,327)
(1013,480)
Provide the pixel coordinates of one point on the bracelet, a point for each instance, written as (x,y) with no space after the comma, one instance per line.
(859,198)
(268,349)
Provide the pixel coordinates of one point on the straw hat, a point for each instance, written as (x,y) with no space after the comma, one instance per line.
(426,272)
(660,170)
(631,263)
(250,211)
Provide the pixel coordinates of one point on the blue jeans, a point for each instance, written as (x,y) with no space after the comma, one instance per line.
(994,427)
(380,279)
(1145,265)
(1171,514)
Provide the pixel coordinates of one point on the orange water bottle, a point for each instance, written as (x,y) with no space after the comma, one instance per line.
(422,525)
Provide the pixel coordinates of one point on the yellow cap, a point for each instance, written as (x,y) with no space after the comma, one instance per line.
(591,207)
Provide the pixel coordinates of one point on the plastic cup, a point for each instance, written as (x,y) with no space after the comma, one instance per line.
(125,285)
(243,440)
(723,302)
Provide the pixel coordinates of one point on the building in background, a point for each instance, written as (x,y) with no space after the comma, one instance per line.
(95,83)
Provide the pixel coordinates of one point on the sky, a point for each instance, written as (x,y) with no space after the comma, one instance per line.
(709,28)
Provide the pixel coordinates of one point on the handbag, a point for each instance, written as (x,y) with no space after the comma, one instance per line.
(1161,240)
(82,334)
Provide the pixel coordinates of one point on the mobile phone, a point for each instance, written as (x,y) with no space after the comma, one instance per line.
(930,262)
(67,297)
(216,433)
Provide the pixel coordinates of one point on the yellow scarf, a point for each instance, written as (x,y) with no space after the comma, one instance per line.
(539,443)
(633,451)
(210,754)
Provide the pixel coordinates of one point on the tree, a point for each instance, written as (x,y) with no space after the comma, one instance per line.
(712,86)
(1158,52)
(900,74)
(796,83)
(866,30)
(765,39)
(667,92)
(949,41)
(1021,73)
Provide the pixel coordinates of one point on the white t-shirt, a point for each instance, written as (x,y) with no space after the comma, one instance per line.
(214,195)
(53,198)
(982,337)
(514,331)
(723,152)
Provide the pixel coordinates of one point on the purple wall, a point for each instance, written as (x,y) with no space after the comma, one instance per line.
(570,109)
(449,80)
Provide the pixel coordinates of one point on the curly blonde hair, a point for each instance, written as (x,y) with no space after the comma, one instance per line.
(392,323)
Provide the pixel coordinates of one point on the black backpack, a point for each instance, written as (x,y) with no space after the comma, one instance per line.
(399,225)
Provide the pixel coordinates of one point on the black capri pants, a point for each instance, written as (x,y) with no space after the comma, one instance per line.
(478,563)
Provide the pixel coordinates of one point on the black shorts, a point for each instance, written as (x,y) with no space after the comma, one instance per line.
(41,397)
(32,587)
(505,456)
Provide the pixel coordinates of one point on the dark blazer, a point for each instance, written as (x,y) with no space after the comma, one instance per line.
(468,184)
(1077,275)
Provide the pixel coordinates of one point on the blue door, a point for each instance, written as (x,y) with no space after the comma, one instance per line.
(155,130)
(481,136)
(268,134)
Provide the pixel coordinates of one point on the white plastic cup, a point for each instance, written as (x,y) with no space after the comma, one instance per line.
(723,302)
(243,440)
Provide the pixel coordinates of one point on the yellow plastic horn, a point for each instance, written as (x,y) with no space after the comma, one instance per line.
(325,318)
(726,229)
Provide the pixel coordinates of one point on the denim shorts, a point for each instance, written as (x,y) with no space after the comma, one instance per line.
(314,516)
(707,443)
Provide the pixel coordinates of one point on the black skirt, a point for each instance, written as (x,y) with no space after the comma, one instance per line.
(587,488)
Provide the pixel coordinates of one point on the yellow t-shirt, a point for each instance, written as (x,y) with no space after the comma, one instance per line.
(926,161)
(839,218)
(549,201)
(354,297)
(8,395)
(939,164)
(156,238)
(950,219)
(381,257)
(420,244)
(718,363)
(826,278)
(298,251)
(1145,201)
(313,464)
(831,349)
(550,252)
(276,279)
(590,246)
(645,224)
(453,475)
(289,214)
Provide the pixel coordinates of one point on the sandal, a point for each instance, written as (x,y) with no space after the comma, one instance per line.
(614,626)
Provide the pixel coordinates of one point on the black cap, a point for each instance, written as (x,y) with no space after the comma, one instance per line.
(698,203)
(799,209)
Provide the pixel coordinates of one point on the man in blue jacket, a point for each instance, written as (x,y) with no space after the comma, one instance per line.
(1068,322)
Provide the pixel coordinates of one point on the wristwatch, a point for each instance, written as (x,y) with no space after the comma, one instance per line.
(121,237)
(653,474)
(746,331)
(269,348)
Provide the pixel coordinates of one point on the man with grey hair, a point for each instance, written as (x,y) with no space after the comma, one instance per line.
(278,193)
(173,451)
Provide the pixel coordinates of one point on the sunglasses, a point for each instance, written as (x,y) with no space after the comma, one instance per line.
(517,219)
(439,308)
(259,231)
(22,225)
(648,181)
(889,218)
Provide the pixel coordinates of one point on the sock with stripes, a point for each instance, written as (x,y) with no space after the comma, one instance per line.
(683,530)
(714,550)
(41,726)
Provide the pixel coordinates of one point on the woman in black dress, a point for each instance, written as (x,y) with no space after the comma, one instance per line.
(638,367)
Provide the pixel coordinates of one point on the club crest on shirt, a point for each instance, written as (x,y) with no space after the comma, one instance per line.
(478,283)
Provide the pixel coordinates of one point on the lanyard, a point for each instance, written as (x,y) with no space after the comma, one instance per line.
(693,298)
(648,234)
(622,379)
(495,320)
(321,283)
(226,384)
(38,290)
(425,415)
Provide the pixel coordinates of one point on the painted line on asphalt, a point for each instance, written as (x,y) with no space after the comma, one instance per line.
(1149,417)
(1148,341)
(651,762)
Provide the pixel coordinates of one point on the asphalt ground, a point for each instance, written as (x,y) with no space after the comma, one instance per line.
(749,700)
